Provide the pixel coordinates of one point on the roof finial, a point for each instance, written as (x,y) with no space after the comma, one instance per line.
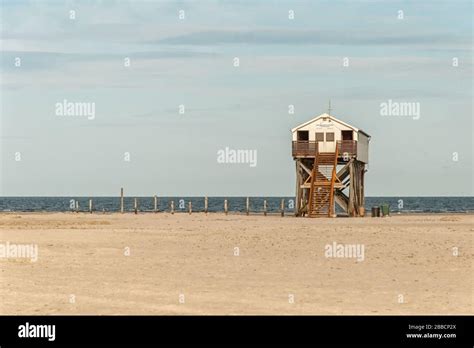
(329,107)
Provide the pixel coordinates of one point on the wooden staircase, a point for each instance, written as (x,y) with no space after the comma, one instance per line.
(323,178)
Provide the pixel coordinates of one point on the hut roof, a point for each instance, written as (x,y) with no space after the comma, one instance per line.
(332,118)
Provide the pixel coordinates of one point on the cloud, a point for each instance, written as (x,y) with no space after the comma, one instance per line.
(309,37)
(37,60)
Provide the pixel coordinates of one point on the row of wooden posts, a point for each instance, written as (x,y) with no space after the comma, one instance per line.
(190,205)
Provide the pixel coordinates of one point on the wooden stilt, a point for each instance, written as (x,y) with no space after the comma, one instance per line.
(362,212)
(297,189)
(350,206)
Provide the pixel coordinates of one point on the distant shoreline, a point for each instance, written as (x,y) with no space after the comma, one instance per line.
(242,204)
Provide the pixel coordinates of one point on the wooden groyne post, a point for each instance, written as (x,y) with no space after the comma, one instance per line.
(121,200)
(247,206)
(265,207)
(282,207)
(190,206)
(226,210)
(90,206)
(155,204)
(206,204)
(172,207)
(135,206)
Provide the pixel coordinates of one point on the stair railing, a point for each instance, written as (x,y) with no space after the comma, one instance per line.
(333,181)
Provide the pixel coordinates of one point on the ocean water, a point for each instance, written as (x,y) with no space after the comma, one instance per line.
(235,204)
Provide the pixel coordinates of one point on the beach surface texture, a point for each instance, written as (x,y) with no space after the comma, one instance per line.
(235,264)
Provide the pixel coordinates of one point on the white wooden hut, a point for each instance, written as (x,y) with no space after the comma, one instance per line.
(331,158)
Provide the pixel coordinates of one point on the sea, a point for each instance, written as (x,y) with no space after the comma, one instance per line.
(216,204)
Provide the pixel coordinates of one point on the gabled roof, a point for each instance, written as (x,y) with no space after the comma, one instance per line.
(332,118)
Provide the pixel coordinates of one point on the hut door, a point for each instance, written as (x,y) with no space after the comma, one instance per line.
(319,136)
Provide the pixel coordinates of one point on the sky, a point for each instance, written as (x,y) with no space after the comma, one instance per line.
(137,62)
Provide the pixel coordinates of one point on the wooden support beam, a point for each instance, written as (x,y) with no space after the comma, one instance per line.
(362,213)
(351,205)
(337,185)
(344,171)
(306,169)
(341,199)
(300,192)
(298,189)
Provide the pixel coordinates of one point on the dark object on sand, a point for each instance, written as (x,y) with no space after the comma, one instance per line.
(375,211)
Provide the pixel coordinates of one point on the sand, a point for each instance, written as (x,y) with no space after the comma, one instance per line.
(190,264)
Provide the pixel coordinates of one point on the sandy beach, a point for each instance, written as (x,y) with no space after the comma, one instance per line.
(236,264)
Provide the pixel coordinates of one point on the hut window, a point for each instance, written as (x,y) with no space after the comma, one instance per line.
(330,136)
(346,135)
(303,135)
(319,136)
